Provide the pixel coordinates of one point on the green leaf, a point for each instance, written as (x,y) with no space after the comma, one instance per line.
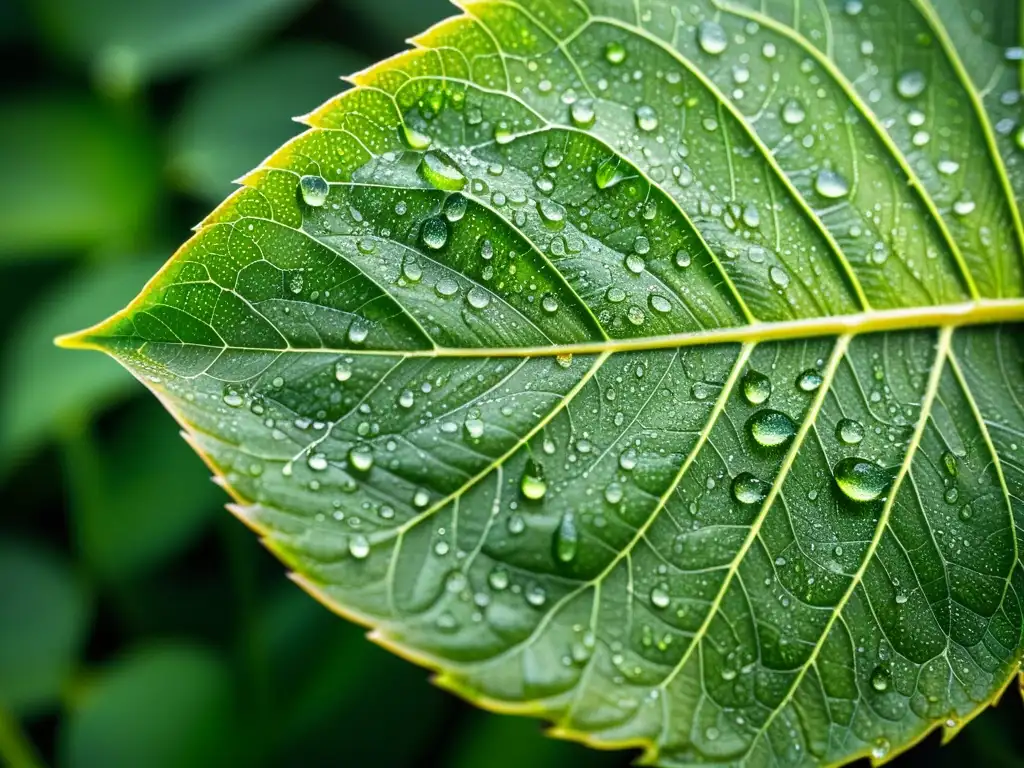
(44,613)
(177,700)
(77,177)
(36,400)
(129,44)
(207,151)
(693,421)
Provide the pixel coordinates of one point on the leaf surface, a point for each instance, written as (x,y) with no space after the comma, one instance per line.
(653,368)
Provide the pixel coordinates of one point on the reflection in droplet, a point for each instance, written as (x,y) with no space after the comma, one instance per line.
(314,190)
(771,428)
(861,480)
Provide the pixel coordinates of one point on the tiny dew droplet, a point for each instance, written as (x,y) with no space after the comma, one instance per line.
(861,480)
(314,190)
(442,172)
(359,547)
(831,185)
(615,53)
(533,484)
(435,233)
(849,432)
(748,489)
(712,37)
(567,538)
(809,381)
(757,387)
(771,429)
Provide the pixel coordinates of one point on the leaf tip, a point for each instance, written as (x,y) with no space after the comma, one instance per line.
(78,340)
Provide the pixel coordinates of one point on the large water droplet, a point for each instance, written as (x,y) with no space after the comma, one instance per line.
(615,52)
(712,37)
(360,458)
(435,233)
(608,173)
(441,171)
(646,118)
(911,84)
(533,484)
(567,538)
(455,207)
(809,381)
(748,489)
(314,190)
(498,579)
(880,679)
(582,113)
(849,432)
(757,387)
(861,480)
(793,112)
(359,547)
(446,287)
(414,139)
(660,597)
(771,428)
(478,298)
(831,185)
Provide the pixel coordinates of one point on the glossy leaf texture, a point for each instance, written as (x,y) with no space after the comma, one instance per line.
(651,367)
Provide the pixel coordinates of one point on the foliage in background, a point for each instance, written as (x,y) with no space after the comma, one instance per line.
(138,622)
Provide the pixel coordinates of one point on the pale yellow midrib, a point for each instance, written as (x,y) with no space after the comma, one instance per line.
(984,312)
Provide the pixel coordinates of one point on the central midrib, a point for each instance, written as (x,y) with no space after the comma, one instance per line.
(984,312)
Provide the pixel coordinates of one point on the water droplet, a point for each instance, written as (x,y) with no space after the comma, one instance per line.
(880,748)
(646,118)
(963,207)
(411,270)
(635,264)
(950,463)
(779,276)
(628,459)
(498,579)
(911,84)
(659,303)
(861,480)
(455,207)
(359,547)
(952,495)
(582,113)
(757,387)
(771,428)
(793,112)
(233,399)
(435,233)
(536,596)
(682,259)
(414,139)
(660,597)
(421,498)
(615,53)
(478,298)
(317,462)
(880,678)
(441,172)
(446,287)
(810,380)
(552,213)
(314,190)
(748,489)
(549,304)
(533,484)
(567,538)
(966,512)
(502,135)
(831,185)
(360,458)
(613,493)
(474,429)
(849,432)
(712,37)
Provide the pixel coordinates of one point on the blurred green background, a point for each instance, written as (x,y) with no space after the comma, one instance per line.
(140,624)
